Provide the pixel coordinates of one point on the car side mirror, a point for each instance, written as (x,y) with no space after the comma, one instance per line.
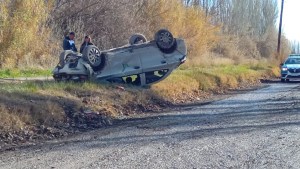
(281,64)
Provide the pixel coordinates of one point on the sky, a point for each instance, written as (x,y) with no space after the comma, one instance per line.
(291,19)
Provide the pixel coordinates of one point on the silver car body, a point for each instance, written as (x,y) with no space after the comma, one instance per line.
(145,62)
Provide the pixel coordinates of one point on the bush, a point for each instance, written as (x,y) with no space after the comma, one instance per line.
(32,30)
(22,31)
(189,23)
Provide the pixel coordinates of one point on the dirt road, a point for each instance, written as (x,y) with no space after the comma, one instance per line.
(259,129)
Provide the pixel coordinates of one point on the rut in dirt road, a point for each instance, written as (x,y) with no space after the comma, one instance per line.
(259,129)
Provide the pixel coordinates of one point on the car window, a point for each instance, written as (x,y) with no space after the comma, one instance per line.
(133,79)
(154,76)
(292,61)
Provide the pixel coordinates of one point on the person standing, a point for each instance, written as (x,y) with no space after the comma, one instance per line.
(69,42)
(86,42)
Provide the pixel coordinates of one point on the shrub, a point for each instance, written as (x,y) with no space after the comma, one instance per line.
(189,23)
(22,32)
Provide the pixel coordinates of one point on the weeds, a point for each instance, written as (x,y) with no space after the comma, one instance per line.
(14,73)
(48,103)
(188,81)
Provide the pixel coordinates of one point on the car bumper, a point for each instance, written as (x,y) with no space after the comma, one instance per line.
(290,75)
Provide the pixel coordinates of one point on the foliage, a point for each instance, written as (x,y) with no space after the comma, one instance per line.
(109,23)
(31,31)
(22,32)
(189,23)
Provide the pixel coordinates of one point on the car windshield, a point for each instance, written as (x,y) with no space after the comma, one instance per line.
(292,61)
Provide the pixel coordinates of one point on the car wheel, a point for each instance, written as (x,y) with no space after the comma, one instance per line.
(165,41)
(92,55)
(282,80)
(287,80)
(137,38)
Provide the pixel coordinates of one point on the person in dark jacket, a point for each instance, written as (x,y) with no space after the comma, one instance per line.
(69,42)
(86,42)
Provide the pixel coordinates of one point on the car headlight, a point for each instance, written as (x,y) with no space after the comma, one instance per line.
(284,69)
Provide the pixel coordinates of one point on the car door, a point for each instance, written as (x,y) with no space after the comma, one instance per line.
(151,58)
(124,62)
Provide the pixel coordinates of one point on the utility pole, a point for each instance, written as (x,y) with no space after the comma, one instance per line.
(279,32)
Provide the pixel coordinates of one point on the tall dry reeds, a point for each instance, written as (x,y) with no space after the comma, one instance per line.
(23,33)
(31,31)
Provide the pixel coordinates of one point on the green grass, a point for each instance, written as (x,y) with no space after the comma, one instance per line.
(15,73)
(46,86)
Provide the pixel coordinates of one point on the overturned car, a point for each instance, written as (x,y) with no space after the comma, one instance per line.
(140,63)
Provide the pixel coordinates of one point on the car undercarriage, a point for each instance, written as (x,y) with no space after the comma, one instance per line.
(140,63)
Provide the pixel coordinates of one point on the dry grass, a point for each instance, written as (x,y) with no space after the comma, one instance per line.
(216,63)
(189,23)
(25,105)
(19,111)
(188,82)
(32,104)
(22,26)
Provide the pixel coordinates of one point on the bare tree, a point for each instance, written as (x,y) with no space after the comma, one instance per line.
(110,23)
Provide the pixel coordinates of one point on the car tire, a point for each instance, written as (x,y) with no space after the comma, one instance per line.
(287,80)
(137,38)
(92,55)
(165,41)
(282,80)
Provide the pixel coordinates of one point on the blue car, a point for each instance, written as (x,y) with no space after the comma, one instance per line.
(290,69)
